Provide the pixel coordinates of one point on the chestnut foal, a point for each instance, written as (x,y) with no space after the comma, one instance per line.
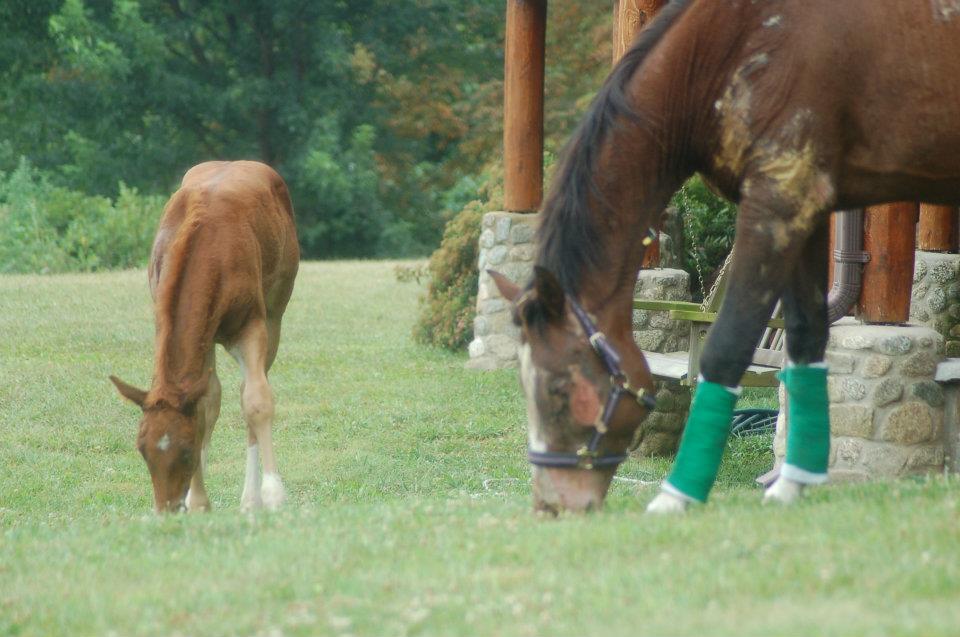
(221,271)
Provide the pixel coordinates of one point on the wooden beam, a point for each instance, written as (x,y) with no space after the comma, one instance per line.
(629,16)
(523,104)
(890,238)
(938,228)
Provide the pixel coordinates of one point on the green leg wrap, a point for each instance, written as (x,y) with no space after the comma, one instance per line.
(701,448)
(808,418)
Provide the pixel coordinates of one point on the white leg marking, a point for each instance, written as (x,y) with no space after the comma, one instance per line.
(783,491)
(667,503)
(250,499)
(272,491)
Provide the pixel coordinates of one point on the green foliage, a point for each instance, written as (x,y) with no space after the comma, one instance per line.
(448,309)
(49,228)
(708,225)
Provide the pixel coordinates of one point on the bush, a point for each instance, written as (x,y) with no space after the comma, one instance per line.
(53,229)
(708,227)
(447,310)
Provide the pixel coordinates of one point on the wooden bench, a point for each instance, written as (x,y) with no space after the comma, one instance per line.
(685,366)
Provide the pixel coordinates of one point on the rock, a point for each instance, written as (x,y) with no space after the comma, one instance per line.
(937,300)
(919,270)
(893,345)
(497,255)
(487,239)
(943,272)
(851,420)
(522,233)
(908,424)
(840,363)
(649,340)
(502,227)
(919,364)
(480,328)
(853,389)
(887,391)
(928,391)
(876,365)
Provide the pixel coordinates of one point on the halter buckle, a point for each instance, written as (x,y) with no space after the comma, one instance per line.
(585,457)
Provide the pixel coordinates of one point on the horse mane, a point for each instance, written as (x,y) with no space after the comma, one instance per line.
(568,236)
(175,263)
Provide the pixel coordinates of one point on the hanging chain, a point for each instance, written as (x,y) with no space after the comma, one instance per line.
(706,296)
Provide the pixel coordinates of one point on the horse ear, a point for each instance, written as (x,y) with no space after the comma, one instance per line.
(549,292)
(131,393)
(508,289)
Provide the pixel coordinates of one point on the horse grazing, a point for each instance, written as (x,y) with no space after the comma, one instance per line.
(221,271)
(791,108)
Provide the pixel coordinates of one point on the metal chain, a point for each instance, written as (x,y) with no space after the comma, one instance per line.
(716,281)
(706,296)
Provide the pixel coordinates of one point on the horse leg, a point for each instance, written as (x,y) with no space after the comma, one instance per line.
(769,241)
(255,352)
(805,374)
(208,411)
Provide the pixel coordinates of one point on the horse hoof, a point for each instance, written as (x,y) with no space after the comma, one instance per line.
(667,503)
(783,491)
(197,503)
(272,492)
(248,504)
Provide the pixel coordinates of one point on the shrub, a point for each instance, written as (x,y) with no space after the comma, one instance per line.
(447,310)
(708,227)
(53,229)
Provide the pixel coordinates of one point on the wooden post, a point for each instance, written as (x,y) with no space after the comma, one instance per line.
(938,228)
(523,104)
(890,238)
(629,16)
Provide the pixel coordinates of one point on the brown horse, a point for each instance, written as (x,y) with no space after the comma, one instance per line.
(222,270)
(792,108)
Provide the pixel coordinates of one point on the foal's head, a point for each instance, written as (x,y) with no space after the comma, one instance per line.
(168,439)
(567,385)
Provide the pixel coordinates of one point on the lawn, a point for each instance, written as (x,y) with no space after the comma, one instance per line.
(409,509)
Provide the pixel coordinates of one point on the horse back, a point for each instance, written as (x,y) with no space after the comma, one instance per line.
(228,233)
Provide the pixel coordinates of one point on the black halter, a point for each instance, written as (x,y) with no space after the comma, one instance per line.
(587,456)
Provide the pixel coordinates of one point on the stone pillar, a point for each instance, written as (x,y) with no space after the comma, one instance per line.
(935,301)
(886,410)
(507,246)
(656,331)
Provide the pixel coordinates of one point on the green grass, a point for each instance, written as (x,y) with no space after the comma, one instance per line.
(409,511)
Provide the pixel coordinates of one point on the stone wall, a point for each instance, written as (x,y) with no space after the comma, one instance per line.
(657,332)
(886,411)
(936,296)
(507,246)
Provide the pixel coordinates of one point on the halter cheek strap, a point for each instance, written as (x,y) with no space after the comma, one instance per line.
(587,456)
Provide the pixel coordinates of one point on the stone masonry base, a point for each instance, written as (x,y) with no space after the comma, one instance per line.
(886,411)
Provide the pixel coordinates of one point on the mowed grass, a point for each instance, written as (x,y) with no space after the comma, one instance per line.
(409,510)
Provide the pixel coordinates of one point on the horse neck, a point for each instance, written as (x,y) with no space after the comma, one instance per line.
(186,323)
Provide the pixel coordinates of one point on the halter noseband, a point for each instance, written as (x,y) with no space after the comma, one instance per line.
(587,456)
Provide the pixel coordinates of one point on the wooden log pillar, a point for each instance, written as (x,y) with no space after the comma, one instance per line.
(629,16)
(890,239)
(523,104)
(938,228)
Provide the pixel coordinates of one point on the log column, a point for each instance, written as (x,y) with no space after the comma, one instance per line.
(938,228)
(523,104)
(890,239)
(629,16)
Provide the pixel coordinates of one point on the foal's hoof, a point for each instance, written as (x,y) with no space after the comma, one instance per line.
(250,503)
(272,492)
(197,503)
(783,491)
(667,503)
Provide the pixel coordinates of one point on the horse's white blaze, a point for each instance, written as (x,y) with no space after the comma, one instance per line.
(528,378)
(164,443)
